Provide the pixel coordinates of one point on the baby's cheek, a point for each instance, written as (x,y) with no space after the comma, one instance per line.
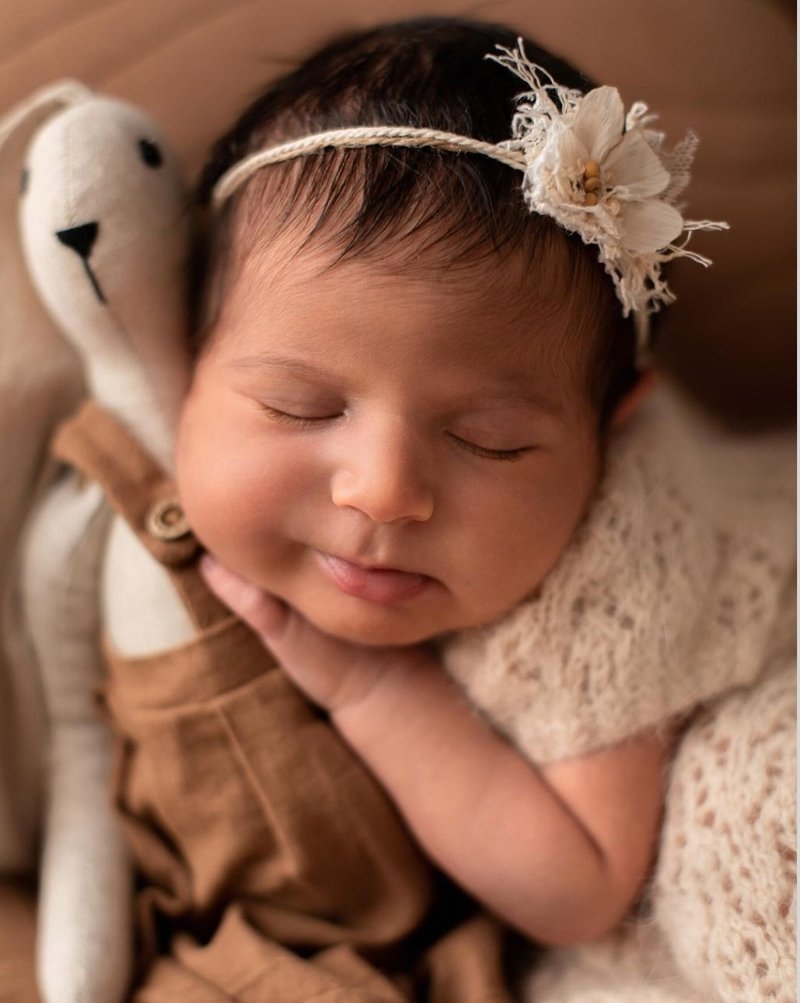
(522,538)
(222,509)
(240,495)
(208,469)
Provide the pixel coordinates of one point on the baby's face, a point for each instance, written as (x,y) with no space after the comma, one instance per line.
(395,457)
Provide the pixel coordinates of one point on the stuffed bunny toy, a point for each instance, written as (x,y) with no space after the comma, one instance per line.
(98,285)
(40,383)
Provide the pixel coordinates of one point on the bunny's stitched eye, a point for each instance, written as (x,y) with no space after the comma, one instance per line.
(150,153)
(24,178)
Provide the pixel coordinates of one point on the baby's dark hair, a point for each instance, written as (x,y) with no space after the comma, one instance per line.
(405,206)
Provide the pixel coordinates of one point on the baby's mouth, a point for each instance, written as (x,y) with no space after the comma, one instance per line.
(378,585)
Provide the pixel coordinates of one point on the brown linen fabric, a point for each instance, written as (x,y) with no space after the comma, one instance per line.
(17,941)
(272,865)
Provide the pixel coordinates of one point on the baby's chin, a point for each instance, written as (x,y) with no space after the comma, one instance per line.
(375,625)
(374,628)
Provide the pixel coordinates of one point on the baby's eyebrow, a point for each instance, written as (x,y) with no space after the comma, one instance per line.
(547,406)
(511,387)
(269,360)
(509,390)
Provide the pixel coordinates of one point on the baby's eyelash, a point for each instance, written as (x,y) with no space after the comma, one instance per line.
(295,420)
(490,454)
(300,421)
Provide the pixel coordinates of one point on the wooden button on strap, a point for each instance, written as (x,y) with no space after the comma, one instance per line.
(165,520)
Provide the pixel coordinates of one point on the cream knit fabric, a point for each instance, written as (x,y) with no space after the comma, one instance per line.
(724,893)
(673,591)
(677,594)
(718,921)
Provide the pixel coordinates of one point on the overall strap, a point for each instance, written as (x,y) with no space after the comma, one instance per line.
(98,446)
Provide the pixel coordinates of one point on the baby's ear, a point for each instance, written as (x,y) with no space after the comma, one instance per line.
(634,398)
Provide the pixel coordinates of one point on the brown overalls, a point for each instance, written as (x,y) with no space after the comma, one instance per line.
(273,868)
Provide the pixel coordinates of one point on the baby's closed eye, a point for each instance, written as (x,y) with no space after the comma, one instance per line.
(489,452)
(306,415)
(301,416)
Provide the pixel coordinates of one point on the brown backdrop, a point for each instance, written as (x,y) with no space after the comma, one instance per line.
(723,67)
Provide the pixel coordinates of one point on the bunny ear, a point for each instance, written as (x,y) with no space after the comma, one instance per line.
(40,383)
(25,328)
(22,317)
(37,369)
(23,120)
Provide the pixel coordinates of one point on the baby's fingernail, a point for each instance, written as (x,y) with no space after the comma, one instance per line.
(208,563)
(216,574)
(264,613)
(261,611)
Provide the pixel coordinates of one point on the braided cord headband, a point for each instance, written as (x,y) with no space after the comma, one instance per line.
(597,171)
(374,135)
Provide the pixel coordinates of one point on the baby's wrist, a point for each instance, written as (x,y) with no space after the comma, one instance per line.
(387,702)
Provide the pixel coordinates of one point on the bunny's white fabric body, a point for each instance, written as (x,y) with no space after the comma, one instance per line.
(104,236)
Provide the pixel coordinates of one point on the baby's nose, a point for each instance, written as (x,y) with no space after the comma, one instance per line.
(384,479)
(80,238)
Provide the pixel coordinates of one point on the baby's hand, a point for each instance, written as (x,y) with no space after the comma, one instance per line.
(332,673)
(559,852)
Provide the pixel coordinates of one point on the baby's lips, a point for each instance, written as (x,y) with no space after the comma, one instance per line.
(381,585)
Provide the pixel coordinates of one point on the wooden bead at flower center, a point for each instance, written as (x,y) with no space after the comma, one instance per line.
(591,182)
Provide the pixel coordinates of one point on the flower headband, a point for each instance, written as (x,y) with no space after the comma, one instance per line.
(593,169)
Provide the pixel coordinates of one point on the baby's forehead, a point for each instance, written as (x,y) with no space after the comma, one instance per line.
(527,300)
(467,332)
(499,292)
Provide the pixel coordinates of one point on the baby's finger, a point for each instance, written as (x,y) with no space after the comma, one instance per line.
(262,612)
(331,672)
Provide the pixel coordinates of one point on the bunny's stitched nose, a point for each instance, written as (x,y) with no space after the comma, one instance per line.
(79,238)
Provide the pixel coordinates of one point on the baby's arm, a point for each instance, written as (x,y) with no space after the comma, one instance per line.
(559,852)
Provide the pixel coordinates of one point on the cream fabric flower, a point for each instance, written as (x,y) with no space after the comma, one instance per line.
(603,175)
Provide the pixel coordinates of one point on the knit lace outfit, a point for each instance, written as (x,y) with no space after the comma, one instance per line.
(675,601)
